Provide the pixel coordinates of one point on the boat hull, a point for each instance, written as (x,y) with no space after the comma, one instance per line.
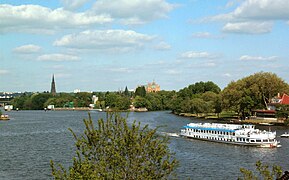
(267,145)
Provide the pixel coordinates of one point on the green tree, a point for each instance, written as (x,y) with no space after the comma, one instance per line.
(263,172)
(141,102)
(126,92)
(19,102)
(282,112)
(116,151)
(123,103)
(99,105)
(198,105)
(111,100)
(82,99)
(155,100)
(38,100)
(140,91)
(252,92)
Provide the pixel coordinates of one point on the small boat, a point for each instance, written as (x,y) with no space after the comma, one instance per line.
(4,117)
(266,124)
(245,135)
(285,135)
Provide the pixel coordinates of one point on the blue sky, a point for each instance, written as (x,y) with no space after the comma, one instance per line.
(105,45)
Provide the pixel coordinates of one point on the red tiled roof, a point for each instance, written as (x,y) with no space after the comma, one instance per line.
(285,99)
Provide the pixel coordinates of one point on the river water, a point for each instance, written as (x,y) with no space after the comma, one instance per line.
(32,138)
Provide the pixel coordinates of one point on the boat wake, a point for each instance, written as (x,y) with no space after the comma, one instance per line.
(171,134)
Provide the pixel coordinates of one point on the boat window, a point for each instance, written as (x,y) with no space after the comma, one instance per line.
(271,140)
(258,140)
(252,140)
(265,140)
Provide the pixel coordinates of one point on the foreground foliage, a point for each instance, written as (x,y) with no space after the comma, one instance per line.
(263,172)
(114,150)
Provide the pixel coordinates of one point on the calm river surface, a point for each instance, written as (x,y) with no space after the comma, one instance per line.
(32,138)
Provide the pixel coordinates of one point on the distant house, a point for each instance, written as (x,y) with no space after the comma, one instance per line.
(278,100)
(270,113)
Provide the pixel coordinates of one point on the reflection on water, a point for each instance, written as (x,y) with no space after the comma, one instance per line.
(32,138)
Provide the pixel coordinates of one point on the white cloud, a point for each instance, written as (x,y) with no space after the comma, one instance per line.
(57,57)
(263,10)
(248,27)
(217,18)
(134,12)
(258,58)
(73,4)
(205,35)
(3,71)
(27,49)
(117,40)
(253,16)
(199,55)
(232,3)
(34,18)
(227,75)
(162,46)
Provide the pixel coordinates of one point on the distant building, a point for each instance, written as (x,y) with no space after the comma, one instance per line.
(153,87)
(270,112)
(76,91)
(53,88)
(284,100)
(94,99)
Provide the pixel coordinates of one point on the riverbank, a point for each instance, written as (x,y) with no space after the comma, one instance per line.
(234,119)
(105,110)
(72,109)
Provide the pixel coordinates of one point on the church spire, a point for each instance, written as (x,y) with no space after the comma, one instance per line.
(53,89)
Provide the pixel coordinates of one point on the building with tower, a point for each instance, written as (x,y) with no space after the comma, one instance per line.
(153,87)
(53,88)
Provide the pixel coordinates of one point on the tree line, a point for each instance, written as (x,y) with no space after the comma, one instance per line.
(241,96)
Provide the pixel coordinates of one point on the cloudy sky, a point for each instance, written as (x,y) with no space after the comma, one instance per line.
(100,45)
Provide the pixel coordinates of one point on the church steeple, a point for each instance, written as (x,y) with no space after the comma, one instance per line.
(53,89)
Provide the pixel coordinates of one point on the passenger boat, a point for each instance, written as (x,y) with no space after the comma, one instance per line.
(4,117)
(285,135)
(237,134)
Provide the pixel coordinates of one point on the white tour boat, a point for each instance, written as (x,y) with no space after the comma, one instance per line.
(231,133)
